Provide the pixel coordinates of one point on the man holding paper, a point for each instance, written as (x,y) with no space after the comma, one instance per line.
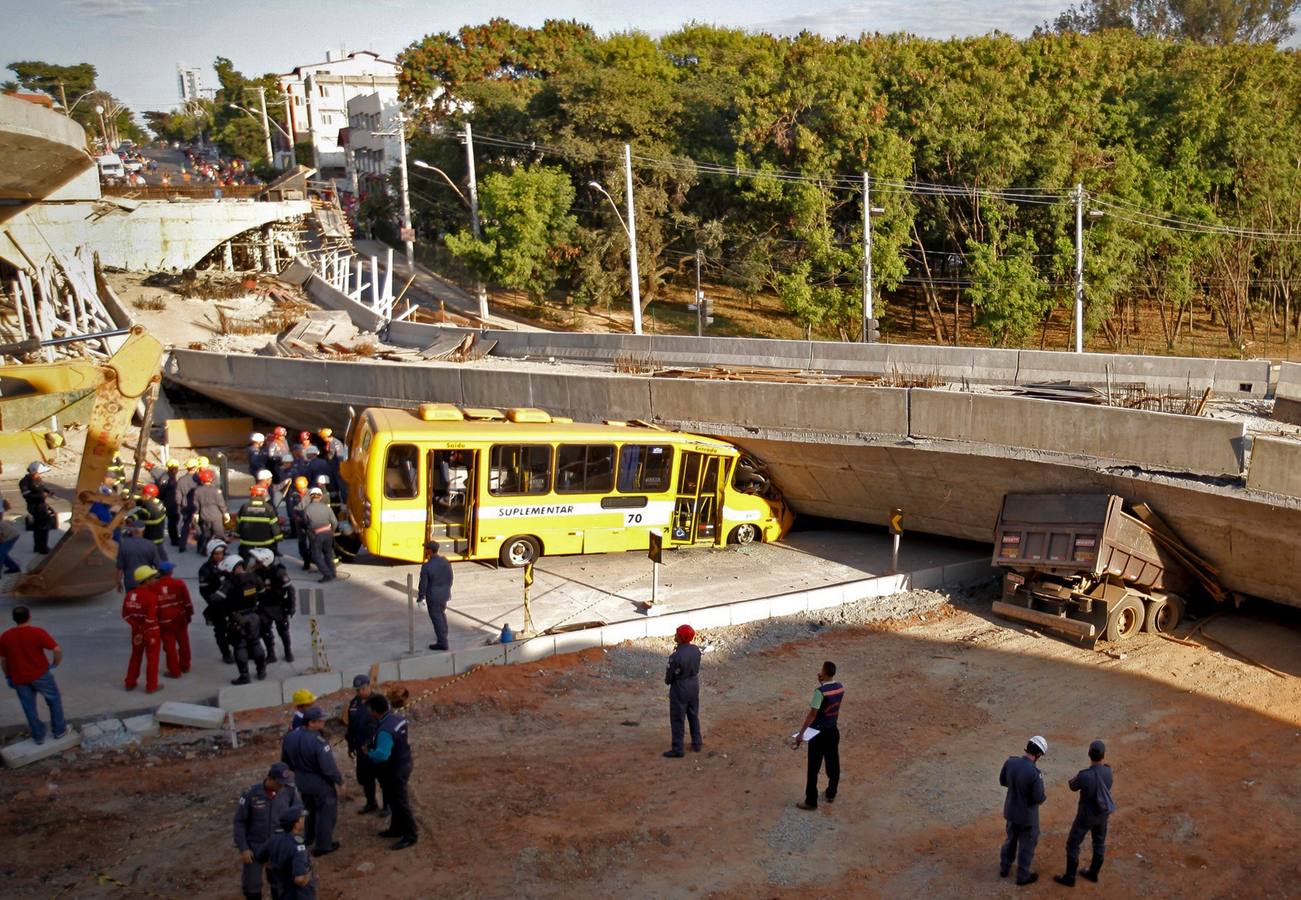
(823,737)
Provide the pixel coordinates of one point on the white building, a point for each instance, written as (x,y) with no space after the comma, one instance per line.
(372,149)
(189,83)
(318,96)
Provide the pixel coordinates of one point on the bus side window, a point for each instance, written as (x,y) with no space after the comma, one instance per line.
(585,469)
(520,469)
(401,468)
(645,469)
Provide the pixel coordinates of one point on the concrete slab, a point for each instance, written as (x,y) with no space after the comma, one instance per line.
(490,655)
(574,641)
(142,726)
(191,714)
(427,665)
(1275,466)
(26,752)
(388,671)
(320,684)
(257,695)
(540,647)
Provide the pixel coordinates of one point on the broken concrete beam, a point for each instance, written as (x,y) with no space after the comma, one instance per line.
(193,715)
(25,752)
(142,726)
(103,734)
(257,695)
(319,684)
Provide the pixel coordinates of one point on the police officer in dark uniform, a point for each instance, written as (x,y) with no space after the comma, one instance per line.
(288,864)
(211,578)
(186,484)
(824,716)
(238,598)
(257,816)
(258,524)
(258,457)
(436,589)
(41,516)
(154,516)
(276,602)
(1095,808)
(306,751)
(1025,794)
(360,728)
(684,690)
(390,752)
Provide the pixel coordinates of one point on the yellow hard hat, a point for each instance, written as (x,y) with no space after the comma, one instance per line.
(191,463)
(326,433)
(173,464)
(203,462)
(301,482)
(303,696)
(144,573)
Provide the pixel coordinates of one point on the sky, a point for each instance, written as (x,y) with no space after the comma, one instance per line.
(137,44)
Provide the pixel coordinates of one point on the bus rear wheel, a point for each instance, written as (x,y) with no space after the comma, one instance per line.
(745,534)
(519,551)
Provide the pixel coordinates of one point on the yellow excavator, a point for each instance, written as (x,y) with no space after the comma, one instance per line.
(104,396)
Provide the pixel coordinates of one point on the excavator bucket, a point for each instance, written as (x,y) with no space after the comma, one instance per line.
(83,562)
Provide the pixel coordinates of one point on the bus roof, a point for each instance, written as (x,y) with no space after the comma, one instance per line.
(406,425)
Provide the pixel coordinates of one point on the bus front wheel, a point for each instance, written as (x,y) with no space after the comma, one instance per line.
(746,534)
(519,551)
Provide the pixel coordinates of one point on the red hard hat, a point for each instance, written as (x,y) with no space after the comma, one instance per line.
(280,431)
(305,437)
(149,490)
(686,634)
(205,476)
(257,490)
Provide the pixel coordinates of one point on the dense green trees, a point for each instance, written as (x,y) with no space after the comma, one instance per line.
(73,87)
(752,148)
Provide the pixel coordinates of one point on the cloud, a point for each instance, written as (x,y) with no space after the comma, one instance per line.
(124,9)
(937,19)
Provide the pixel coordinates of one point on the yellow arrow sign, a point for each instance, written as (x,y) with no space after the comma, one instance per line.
(896,521)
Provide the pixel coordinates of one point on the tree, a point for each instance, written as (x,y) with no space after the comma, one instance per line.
(1204,21)
(64,84)
(527,229)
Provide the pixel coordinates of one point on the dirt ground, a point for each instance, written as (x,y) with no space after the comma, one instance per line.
(546,780)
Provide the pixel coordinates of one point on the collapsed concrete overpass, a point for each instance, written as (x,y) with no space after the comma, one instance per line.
(945,456)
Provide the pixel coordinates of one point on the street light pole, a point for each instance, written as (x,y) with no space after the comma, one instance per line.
(480,291)
(632,241)
(103,131)
(867,259)
(266,129)
(408,234)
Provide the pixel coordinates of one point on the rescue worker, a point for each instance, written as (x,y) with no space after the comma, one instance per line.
(1091,816)
(37,495)
(306,751)
(288,864)
(186,485)
(303,700)
(257,523)
(211,578)
(278,448)
(117,472)
(304,441)
(258,457)
(436,589)
(154,516)
(1025,794)
(320,472)
(257,816)
(823,716)
(390,752)
(167,483)
(133,551)
(276,602)
(210,507)
(175,611)
(296,504)
(684,690)
(140,611)
(360,728)
(238,600)
(320,522)
(335,449)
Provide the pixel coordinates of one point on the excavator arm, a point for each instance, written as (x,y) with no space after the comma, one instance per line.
(105,396)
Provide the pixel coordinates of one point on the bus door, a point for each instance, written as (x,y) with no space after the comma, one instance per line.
(698,505)
(453,497)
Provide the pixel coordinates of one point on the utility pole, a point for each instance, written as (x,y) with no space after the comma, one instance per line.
(632,242)
(700,299)
(266,127)
(867,259)
(408,233)
(480,290)
(63,98)
(308,85)
(1079,268)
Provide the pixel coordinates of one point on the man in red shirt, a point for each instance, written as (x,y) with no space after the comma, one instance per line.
(175,610)
(140,610)
(27,671)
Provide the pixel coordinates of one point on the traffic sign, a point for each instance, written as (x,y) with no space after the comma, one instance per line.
(896,521)
(656,553)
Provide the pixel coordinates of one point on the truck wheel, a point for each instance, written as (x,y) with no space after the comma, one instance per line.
(1126,619)
(745,534)
(519,551)
(1164,616)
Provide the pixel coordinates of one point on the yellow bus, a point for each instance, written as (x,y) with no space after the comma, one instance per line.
(518,484)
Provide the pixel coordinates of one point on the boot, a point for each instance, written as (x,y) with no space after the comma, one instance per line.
(261,673)
(289,656)
(242,679)
(1068,879)
(1091,873)
(271,656)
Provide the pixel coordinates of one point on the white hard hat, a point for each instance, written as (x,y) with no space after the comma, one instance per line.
(213,545)
(1041,742)
(263,556)
(312,451)
(257,436)
(322,479)
(229,563)
(263,475)
(38,468)
(317,491)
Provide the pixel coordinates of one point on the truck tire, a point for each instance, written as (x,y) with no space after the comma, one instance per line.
(1125,619)
(1164,614)
(520,550)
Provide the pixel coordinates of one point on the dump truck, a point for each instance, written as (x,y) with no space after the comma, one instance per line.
(1079,564)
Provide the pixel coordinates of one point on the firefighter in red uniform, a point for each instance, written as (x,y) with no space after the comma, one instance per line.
(140,610)
(175,610)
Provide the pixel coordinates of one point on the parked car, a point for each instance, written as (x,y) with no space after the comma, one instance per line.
(110,166)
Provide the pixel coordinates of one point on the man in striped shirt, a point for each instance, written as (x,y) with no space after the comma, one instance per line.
(824,711)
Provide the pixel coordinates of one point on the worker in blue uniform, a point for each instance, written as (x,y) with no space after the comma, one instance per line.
(681,675)
(257,816)
(436,590)
(288,864)
(1091,816)
(390,752)
(317,775)
(1025,794)
(824,718)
